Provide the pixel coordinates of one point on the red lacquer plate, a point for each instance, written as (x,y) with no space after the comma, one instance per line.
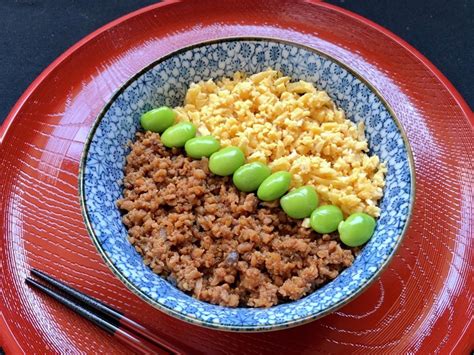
(421,303)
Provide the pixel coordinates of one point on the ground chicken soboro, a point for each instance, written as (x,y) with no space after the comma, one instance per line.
(214,242)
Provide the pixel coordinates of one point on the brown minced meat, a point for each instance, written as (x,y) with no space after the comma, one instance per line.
(218,244)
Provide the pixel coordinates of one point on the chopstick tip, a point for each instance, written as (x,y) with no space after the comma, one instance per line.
(35,271)
(29,281)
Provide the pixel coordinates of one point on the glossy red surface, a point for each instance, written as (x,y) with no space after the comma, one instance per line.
(422,302)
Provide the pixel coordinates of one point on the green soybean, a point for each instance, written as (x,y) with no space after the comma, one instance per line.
(225,161)
(199,147)
(178,135)
(158,119)
(300,202)
(248,177)
(325,219)
(274,186)
(357,229)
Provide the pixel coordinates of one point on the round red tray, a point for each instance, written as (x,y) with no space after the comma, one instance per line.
(421,303)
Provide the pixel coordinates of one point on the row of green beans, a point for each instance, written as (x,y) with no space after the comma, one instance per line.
(299,203)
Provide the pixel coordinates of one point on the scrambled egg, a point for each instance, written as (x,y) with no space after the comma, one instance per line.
(294,127)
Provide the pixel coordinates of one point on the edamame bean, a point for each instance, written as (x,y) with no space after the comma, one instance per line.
(248,177)
(178,135)
(357,229)
(325,219)
(274,186)
(225,161)
(199,147)
(158,119)
(300,202)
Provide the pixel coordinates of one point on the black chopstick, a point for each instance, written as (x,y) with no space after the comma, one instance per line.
(108,319)
(105,309)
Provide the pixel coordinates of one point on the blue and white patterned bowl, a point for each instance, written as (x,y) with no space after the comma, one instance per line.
(165,83)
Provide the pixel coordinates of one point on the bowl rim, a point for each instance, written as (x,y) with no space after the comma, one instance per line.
(195,320)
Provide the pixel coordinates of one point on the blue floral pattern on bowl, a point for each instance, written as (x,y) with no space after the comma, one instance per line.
(165,83)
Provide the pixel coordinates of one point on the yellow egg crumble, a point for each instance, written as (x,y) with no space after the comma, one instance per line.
(294,127)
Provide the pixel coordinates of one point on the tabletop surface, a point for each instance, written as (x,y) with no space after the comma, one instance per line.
(439,29)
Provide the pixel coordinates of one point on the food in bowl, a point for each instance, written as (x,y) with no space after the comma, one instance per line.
(165,83)
(186,216)
(221,245)
(291,126)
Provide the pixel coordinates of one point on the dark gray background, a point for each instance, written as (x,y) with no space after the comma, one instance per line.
(34,32)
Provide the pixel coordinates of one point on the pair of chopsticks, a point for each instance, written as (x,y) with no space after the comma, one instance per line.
(115,323)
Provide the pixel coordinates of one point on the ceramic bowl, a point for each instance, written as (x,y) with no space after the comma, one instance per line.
(165,83)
